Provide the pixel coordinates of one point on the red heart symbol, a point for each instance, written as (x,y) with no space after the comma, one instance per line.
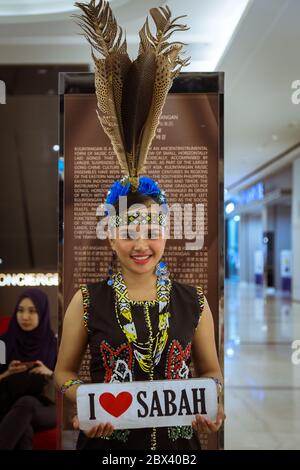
(115,406)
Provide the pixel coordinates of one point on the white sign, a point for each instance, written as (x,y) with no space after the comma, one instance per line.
(258,262)
(158,403)
(2,92)
(2,352)
(28,279)
(286,263)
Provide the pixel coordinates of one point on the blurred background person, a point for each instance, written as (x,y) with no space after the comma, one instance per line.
(26,404)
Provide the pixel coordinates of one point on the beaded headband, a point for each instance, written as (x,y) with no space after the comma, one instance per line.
(138,218)
(147,187)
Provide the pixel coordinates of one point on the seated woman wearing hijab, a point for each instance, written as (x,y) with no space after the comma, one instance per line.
(30,359)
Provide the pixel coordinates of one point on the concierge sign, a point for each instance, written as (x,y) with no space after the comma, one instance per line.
(146,404)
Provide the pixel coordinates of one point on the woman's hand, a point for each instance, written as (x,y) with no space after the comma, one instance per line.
(100,430)
(40,368)
(204,425)
(15,367)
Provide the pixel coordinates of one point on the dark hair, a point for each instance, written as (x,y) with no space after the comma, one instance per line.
(138,198)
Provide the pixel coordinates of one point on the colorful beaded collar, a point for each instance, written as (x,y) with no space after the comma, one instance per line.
(147,354)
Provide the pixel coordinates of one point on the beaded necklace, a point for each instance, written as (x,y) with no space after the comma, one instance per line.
(147,353)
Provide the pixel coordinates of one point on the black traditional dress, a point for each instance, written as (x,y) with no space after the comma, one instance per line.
(139,341)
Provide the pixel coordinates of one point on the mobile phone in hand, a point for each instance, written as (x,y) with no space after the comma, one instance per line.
(29,364)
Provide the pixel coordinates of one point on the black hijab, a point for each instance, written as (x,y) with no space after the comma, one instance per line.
(38,344)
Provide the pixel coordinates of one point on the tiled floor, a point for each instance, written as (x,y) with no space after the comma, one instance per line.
(262,384)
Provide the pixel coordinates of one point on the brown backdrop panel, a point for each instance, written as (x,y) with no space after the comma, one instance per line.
(184,159)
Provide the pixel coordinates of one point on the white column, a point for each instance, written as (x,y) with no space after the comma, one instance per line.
(296,230)
(243,247)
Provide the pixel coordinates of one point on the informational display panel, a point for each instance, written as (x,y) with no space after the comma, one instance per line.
(186,158)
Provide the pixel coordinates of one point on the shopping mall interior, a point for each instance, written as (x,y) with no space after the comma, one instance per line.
(256,44)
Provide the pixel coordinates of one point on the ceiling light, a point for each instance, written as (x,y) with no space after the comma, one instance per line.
(229,352)
(229,208)
(35,7)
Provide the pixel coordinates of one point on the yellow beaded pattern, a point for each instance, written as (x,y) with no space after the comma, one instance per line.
(69,384)
(138,218)
(86,304)
(200,299)
(155,345)
(153,442)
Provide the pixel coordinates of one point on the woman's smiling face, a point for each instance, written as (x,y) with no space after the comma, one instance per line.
(139,247)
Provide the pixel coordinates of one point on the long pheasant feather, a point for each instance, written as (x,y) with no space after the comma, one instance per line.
(131,95)
(168,65)
(136,103)
(106,37)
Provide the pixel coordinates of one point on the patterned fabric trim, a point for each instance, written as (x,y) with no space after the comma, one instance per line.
(177,361)
(177,368)
(177,432)
(163,293)
(119,435)
(200,299)
(86,304)
(118,362)
(119,366)
(143,302)
(138,218)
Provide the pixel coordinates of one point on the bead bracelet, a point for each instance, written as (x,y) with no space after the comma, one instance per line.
(219,385)
(69,384)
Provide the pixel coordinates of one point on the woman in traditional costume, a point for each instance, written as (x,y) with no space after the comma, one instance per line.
(140,324)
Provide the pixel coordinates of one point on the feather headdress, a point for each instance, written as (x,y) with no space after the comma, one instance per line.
(131,94)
